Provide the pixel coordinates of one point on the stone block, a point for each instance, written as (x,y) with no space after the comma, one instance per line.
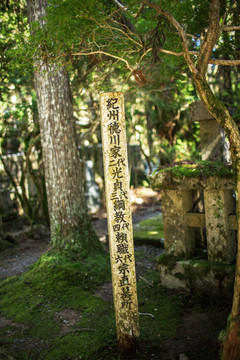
(178,236)
(196,220)
(232,221)
(199,112)
(214,144)
(205,175)
(199,277)
(178,183)
(211,140)
(221,241)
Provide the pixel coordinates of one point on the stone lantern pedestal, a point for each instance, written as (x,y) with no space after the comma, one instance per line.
(209,270)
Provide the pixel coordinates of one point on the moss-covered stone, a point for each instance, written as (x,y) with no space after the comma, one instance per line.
(192,176)
(167,260)
(200,169)
(197,276)
(221,241)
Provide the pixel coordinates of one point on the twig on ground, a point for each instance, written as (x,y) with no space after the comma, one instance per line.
(146,281)
(148,314)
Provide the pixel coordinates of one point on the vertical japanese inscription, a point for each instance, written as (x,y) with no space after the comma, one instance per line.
(119,214)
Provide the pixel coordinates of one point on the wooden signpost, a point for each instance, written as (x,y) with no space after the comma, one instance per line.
(119,219)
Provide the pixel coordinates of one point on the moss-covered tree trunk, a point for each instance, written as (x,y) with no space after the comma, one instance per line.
(231,345)
(70,224)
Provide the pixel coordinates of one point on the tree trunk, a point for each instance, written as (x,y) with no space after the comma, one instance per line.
(1,228)
(231,346)
(71,228)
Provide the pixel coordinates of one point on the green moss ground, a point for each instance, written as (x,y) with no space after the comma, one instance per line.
(149,231)
(5,245)
(30,303)
(33,330)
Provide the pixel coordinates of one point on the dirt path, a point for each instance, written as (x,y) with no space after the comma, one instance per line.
(29,250)
(27,253)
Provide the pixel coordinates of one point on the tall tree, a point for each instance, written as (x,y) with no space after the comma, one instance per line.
(71,229)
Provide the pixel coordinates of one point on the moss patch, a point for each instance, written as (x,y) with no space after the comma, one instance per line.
(200,277)
(167,260)
(197,268)
(205,174)
(5,245)
(36,304)
(201,169)
(149,231)
(160,314)
(56,285)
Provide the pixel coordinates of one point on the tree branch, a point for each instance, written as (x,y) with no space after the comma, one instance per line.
(125,33)
(224,62)
(231,28)
(211,38)
(178,54)
(235,62)
(180,31)
(139,11)
(107,54)
(122,7)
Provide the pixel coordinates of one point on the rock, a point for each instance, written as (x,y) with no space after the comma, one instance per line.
(183,357)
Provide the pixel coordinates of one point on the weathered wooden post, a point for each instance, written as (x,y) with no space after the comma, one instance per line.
(119,219)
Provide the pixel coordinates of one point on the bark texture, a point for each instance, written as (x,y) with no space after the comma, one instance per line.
(70,224)
(231,346)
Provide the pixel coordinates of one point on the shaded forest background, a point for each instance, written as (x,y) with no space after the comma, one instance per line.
(56,58)
(157,93)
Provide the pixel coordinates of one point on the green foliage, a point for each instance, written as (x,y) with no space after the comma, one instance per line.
(70,28)
(5,245)
(19,129)
(16,101)
(14,31)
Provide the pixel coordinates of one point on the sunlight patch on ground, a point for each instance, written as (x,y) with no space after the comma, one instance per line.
(149,230)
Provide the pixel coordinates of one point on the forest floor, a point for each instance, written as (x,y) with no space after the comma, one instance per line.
(173,325)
